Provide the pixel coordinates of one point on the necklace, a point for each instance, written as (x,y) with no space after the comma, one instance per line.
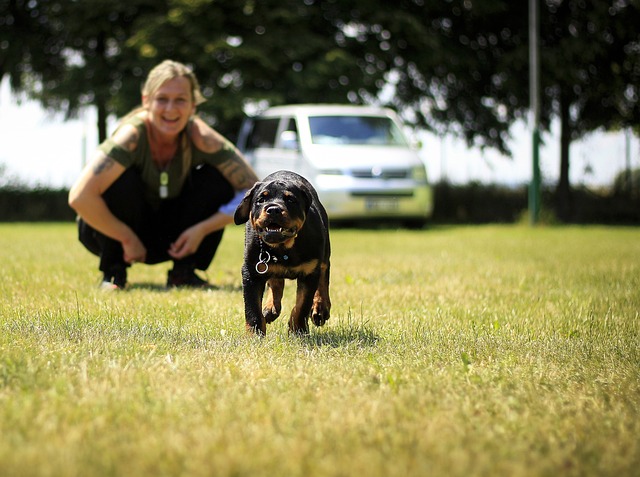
(163,190)
(163,165)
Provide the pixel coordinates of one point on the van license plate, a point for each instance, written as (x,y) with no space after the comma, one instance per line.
(381,204)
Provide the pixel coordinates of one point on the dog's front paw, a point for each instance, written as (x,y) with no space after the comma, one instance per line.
(270,313)
(319,314)
(258,328)
(320,309)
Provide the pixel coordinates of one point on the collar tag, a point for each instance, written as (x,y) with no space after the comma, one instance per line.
(262,266)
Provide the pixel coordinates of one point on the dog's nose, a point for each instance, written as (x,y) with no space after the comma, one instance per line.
(274,210)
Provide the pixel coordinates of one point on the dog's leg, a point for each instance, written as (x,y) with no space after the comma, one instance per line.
(252,291)
(320,310)
(273,304)
(299,321)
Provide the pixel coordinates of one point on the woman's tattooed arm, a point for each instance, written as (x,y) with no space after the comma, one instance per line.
(103,164)
(235,168)
(238,172)
(127,137)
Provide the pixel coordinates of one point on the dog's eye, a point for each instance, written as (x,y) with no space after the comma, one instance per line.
(290,199)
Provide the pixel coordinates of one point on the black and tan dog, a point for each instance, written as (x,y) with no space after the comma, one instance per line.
(286,236)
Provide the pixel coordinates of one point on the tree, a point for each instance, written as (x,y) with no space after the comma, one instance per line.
(591,72)
(457,66)
(69,55)
(100,68)
(462,66)
(103,50)
(454,66)
(28,45)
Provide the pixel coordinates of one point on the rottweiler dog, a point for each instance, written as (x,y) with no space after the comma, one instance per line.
(286,236)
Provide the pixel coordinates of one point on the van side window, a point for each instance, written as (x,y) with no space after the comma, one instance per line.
(289,135)
(263,134)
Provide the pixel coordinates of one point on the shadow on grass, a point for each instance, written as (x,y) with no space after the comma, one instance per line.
(158,288)
(344,333)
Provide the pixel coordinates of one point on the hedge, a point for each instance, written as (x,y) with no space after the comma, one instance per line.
(454,204)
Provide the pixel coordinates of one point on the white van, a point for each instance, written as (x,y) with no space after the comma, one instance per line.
(356,157)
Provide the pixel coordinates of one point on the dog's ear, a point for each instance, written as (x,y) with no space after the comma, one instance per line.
(308,199)
(241,214)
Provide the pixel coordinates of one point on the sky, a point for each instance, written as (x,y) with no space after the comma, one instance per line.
(39,148)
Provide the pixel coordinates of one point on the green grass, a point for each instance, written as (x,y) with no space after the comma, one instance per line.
(463,351)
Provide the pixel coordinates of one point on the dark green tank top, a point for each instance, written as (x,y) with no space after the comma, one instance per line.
(151,175)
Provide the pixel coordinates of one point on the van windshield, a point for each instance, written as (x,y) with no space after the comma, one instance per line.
(355,130)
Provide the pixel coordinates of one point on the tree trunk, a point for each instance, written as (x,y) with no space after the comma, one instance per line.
(101,95)
(102,119)
(563,191)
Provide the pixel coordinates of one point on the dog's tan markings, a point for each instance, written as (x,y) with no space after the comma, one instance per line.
(303,269)
(297,223)
(288,244)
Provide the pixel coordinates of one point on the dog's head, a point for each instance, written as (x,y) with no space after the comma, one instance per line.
(276,210)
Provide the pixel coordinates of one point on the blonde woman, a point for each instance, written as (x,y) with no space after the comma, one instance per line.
(162,187)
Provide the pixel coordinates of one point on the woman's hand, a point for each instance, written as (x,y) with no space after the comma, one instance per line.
(134,250)
(187,243)
(189,240)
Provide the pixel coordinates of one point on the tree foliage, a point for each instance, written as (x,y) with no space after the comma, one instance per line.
(591,72)
(28,49)
(457,66)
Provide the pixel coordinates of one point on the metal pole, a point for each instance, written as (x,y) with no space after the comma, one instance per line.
(628,187)
(83,158)
(534,104)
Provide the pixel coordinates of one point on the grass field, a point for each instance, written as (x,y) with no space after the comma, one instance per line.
(462,351)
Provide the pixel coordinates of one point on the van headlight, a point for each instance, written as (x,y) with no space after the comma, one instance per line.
(419,174)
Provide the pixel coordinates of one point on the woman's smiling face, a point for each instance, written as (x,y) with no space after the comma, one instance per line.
(171,106)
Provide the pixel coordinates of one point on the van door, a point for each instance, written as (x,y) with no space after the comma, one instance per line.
(257,141)
(272,145)
(289,152)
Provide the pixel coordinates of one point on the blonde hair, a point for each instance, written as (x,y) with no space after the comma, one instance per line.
(159,74)
(168,70)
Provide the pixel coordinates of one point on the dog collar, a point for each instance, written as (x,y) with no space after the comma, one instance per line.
(264,258)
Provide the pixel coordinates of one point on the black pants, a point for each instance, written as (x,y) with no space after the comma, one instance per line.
(204,191)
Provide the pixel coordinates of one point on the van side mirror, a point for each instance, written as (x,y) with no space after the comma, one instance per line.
(289,140)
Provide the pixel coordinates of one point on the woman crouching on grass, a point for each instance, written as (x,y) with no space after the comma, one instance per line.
(162,187)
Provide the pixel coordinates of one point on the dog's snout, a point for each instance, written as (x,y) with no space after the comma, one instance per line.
(274,210)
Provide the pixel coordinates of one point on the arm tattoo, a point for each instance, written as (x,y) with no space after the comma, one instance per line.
(131,143)
(211,143)
(103,164)
(238,173)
